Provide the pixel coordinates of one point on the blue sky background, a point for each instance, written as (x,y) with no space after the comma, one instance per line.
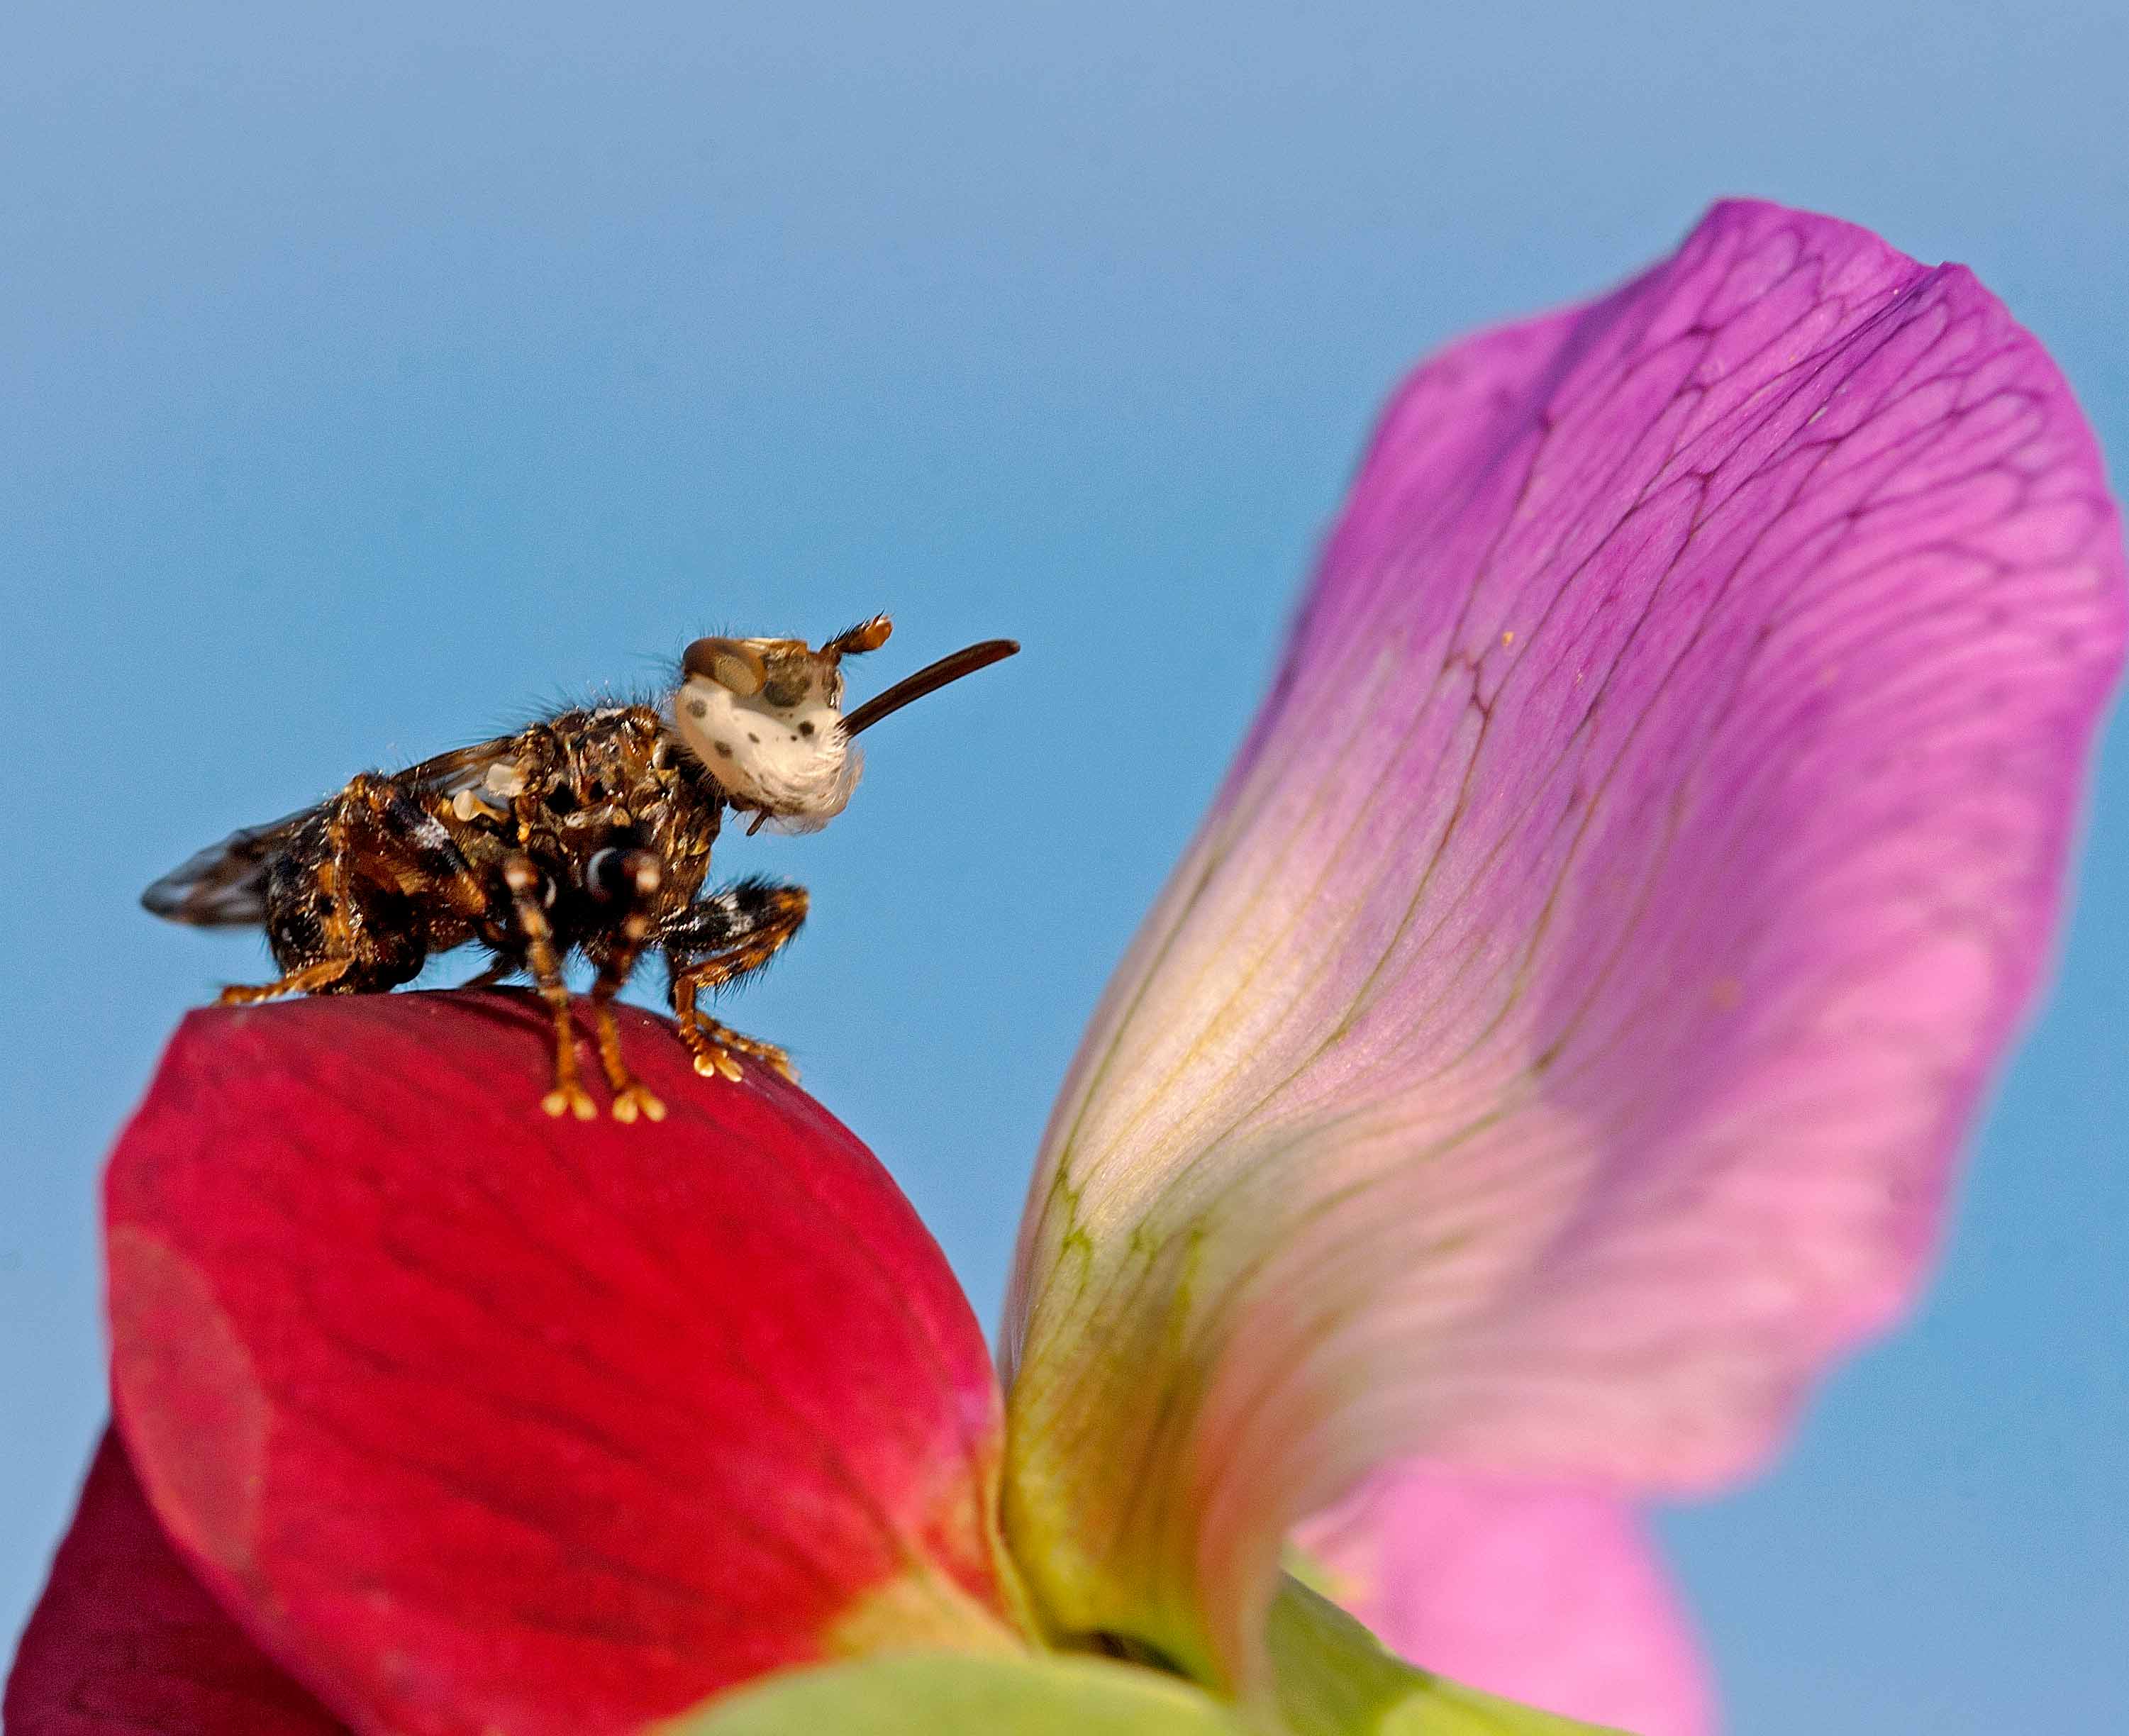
(370,379)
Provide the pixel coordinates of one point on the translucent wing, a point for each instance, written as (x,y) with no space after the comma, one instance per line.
(225,885)
(462,769)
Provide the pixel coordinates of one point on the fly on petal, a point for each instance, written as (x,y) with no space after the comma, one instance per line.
(1552,1048)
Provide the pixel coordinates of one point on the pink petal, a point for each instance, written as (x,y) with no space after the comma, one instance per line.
(126,1641)
(1546,1593)
(1552,1050)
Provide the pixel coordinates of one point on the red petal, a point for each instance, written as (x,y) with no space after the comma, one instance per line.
(479,1420)
(126,1641)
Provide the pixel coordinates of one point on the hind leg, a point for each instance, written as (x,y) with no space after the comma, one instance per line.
(372,839)
(718,940)
(306,980)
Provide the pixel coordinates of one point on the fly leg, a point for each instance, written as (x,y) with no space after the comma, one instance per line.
(300,982)
(523,880)
(718,939)
(629,880)
(388,837)
(378,840)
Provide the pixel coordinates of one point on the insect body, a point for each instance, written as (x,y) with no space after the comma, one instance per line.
(589,832)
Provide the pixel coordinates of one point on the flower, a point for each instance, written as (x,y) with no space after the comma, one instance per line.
(1551,1052)
(370,1330)
(1552,1048)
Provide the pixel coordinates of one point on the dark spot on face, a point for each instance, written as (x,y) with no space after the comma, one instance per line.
(754,738)
(805,729)
(724,749)
(698,708)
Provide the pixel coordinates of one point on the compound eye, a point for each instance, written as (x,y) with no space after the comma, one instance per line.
(731,664)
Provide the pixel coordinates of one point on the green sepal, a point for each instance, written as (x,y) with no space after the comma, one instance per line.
(963,1693)
(1331,1677)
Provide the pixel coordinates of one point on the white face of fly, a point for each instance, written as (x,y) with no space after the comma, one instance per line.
(764,716)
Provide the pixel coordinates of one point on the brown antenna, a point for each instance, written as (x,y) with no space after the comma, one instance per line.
(928,679)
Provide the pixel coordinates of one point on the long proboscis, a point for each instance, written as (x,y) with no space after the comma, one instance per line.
(929,679)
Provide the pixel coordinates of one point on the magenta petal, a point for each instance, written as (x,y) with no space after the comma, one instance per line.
(125,1642)
(1552,1050)
(1541,1592)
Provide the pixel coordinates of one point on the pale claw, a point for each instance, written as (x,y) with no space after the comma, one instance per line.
(634,1099)
(717,1050)
(574,1101)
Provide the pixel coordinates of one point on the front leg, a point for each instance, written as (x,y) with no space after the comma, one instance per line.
(718,940)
